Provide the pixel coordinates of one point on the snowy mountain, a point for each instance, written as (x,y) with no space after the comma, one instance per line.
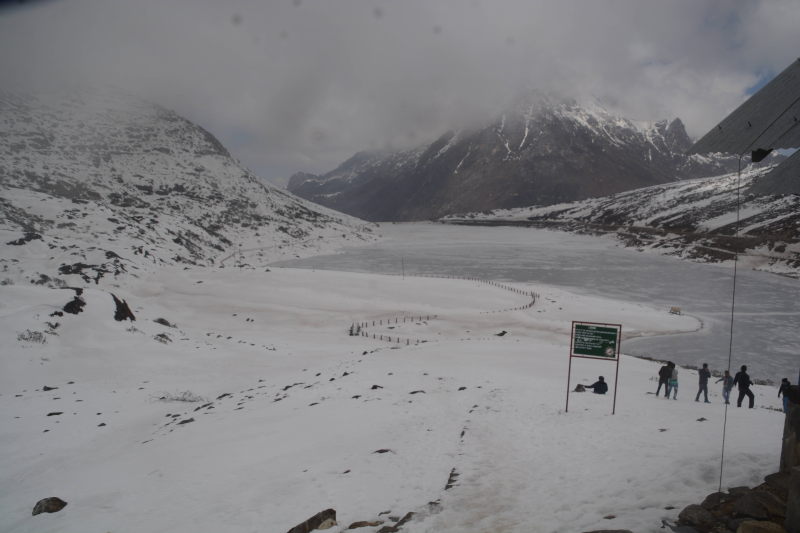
(543,151)
(695,219)
(97,185)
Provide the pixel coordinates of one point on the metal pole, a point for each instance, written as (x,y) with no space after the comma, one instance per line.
(569,369)
(616,379)
(569,373)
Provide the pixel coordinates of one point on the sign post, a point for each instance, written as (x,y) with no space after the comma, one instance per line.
(592,340)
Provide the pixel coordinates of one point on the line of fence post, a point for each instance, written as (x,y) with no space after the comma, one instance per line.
(534,297)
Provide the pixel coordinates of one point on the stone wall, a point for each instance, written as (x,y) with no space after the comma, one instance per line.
(792,523)
(790,460)
(790,452)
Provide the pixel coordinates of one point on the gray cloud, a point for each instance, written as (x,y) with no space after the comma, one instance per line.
(294,85)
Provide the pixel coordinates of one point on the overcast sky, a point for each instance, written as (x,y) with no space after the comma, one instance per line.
(301,85)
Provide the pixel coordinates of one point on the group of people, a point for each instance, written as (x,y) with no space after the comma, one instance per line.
(668,377)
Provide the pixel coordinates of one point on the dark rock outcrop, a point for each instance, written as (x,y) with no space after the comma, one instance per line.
(49,505)
(122,311)
(697,516)
(28,237)
(322,520)
(75,306)
(793,501)
(729,511)
(365,523)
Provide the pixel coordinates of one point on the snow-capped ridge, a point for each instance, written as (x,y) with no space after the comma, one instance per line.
(118,185)
(543,149)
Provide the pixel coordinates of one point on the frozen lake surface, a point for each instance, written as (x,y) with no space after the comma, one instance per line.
(766,311)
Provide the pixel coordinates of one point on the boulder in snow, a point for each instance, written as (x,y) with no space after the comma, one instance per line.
(49,505)
(322,520)
(756,526)
(122,312)
(696,516)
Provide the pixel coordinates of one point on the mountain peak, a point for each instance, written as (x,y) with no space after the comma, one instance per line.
(677,137)
(545,149)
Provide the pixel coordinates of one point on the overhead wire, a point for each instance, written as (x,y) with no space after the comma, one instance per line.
(736,262)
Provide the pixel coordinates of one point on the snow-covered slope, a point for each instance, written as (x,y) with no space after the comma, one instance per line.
(694,219)
(257,410)
(543,150)
(99,184)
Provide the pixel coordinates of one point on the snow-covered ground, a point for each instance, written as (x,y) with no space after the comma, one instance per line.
(291,415)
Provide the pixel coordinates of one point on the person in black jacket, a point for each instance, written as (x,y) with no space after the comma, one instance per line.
(704,374)
(600,386)
(743,381)
(663,377)
(784,389)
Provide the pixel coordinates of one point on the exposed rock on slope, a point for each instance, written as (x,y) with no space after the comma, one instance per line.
(100,185)
(542,152)
(695,219)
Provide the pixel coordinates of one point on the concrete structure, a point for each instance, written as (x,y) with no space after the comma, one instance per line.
(790,460)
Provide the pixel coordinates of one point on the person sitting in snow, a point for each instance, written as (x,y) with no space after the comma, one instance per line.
(600,386)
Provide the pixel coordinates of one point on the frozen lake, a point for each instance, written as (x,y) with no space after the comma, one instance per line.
(766,313)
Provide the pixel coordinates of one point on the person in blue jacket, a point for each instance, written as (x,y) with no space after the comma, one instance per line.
(600,386)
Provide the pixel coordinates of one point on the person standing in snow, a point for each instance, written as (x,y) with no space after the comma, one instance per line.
(743,380)
(673,383)
(663,377)
(727,385)
(704,374)
(785,391)
(600,386)
(670,366)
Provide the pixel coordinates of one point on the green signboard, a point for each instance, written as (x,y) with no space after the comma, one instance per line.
(595,340)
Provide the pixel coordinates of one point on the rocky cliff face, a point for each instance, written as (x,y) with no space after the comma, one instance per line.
(539,153)
(102,184)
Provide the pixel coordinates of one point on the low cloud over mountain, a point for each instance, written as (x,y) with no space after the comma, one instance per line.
(542,151)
